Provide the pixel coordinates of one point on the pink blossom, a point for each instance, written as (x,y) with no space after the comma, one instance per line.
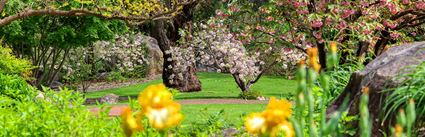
(383,2)
(413,33)
(394,35)
(420,5)
(392,8)
(364,3)
(389,25)
(345,3)
(347,13)
(317,35)
(405,2)
(366,32)
(296,4)
(316,23)
(269,18)
(328,21)
(219,13)
(234,9)
(302,11)
(342,25)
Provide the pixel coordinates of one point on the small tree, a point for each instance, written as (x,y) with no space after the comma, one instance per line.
(218,48)
(362,26)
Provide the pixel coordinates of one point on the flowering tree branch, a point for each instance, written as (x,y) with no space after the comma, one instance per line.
(85,12)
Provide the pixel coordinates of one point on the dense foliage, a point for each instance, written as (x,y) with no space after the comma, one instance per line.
(9,64)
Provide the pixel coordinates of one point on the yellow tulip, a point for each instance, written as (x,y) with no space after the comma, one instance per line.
(277,111)
(287,128)
(333,47)
(312,54)
(398,130)
(164,117)
(154,96)
(158,106)
(255,124)
(129,124)
(271,121)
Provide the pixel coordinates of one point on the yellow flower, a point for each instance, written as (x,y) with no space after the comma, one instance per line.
(312,54)
(164,117)
(398,130)
(129,124)
(277,111)
(154,96)
(287,128)
(255,123)
(365,90)
(271,121)
(333,47)
(158,106)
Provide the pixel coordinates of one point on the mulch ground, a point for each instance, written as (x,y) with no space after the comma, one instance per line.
(116,110)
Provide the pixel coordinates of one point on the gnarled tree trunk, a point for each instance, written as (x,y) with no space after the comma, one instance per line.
(190,82)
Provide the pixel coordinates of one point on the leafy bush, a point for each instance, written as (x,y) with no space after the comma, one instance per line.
(58,114)
(115,76)
(9,64)
(249,94)
(15,87)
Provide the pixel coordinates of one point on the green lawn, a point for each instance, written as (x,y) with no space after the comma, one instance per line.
(233,113)
(214,85)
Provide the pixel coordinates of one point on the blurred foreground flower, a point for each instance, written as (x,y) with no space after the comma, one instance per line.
(158,106)
(271,121)
(130,125)
(313,56)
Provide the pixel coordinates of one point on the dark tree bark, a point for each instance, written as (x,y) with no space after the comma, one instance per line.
(322,55)
(381,43)
(190,82)
(167,36)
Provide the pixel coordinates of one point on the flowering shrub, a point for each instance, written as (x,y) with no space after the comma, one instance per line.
(126,52)
(126,55)
(361,26)
(217,48)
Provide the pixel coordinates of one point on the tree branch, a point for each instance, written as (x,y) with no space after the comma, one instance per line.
(83,12)
(2,3)
(261,73)
(406,24)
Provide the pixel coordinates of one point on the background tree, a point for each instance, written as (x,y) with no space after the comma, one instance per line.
(47,41)
(364,27)
(134,11)
(166,32)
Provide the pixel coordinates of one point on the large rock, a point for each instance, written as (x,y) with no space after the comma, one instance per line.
(380,74)
(155,58)
(110,99)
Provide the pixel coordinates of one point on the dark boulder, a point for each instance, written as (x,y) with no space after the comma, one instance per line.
(379,75)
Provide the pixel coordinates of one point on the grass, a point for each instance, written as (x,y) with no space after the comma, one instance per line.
(233,113)
(214,85)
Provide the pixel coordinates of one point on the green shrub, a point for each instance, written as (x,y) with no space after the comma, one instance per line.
(249,95)
(115,76)
(9,64)
(58,114)
(15,87)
